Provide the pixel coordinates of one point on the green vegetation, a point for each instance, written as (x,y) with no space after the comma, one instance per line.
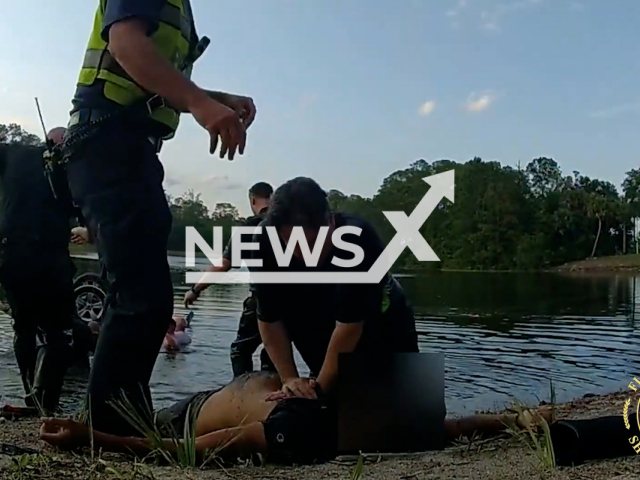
(536,434)
(503,218)
(508,218)
(13,133)
(356,473)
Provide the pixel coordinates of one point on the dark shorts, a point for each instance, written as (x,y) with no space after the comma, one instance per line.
(302,431)
(171,421)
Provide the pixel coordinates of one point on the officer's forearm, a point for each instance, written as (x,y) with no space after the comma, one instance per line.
(276,341)
(143,61)
(221,97)
(344,339)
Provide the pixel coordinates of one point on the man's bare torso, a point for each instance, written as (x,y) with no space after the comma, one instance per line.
(242,402)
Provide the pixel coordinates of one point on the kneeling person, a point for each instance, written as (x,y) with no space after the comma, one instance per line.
(323,320)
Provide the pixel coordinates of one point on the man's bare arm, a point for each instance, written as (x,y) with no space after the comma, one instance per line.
(235,442)
(228,442)
(143,61)
(69,434)
(225,267)
(115,444)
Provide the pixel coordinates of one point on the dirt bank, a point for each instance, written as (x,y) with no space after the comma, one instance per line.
(617,263)
(501,458)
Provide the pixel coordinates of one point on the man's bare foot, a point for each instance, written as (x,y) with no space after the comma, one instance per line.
(64,433)
(530,418)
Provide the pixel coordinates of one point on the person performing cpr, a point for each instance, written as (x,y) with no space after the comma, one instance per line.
(324,319)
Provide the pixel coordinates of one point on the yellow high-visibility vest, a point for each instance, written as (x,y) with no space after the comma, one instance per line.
(172,37)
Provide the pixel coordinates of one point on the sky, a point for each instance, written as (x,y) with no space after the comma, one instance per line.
(349,91)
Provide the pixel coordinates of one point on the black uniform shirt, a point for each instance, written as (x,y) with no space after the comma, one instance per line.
(310,311)
(252,221)
(28,210)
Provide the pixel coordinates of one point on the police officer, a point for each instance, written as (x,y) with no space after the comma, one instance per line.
(36,272)
(133,85)
(248,336)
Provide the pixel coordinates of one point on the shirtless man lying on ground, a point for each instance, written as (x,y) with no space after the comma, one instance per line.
(250,415)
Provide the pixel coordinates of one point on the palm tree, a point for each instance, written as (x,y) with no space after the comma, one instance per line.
(597,207)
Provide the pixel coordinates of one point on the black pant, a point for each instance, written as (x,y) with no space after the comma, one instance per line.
(247,341)
(116,178)
(38,282)
(83,343)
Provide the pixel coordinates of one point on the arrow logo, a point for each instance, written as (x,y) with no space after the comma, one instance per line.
(408,228)
(407,235)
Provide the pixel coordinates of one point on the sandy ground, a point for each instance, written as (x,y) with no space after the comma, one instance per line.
(500,458)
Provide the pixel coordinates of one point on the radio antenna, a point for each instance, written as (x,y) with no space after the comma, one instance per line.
(44,129)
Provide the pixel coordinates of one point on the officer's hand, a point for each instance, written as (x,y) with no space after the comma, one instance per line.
(189,298)
(277,396)
(243,106)
(221,121)
(78,240)
(80,236)
(299,387)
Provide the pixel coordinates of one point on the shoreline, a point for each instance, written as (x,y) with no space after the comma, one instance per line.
(622,264)
(90,249)
(503,457)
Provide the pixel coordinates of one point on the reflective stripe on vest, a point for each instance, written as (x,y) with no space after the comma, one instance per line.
(173,39)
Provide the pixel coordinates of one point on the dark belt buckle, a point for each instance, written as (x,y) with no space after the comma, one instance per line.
(154,103)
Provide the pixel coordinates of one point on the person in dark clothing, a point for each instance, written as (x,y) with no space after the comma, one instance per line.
(36,272)
(133,85)
(325,319)
(84,343)
(248,337)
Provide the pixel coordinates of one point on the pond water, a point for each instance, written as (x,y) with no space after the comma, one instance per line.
(505,336)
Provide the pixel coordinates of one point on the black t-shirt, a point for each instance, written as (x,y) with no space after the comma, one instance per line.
(310,311)
(28,210)
(252,221)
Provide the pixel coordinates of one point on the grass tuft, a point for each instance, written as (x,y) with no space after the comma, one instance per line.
(356,473)
(143,422)
(536,434)
(177,450)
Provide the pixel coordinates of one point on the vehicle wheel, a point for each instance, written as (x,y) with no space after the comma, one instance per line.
(90,278)
(90,297)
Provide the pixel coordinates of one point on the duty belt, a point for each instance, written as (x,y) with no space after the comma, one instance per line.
(85,122)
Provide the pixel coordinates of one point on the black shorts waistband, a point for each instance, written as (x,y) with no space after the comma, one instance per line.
(172,420)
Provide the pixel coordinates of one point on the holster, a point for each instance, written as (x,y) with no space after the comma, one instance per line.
(56,174)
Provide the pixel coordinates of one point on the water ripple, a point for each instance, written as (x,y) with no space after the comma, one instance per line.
(504,337)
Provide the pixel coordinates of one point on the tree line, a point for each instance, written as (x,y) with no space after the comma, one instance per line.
(503,217)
